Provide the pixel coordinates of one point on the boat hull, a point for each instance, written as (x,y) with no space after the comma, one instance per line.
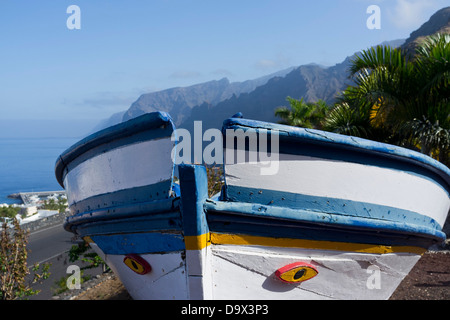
(339,218)
(247,272)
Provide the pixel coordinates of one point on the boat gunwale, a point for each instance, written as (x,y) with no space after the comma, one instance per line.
(122,130)
(345,142)
(243,209)
(142,209)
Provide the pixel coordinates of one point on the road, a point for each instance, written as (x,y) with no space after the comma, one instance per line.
(51,245)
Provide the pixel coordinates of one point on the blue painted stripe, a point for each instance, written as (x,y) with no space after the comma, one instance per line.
(194,192)
(140,243)
(164,222)
(329,205)
(149,126)
(334,146)
(132,196)
(281,222)
(149,210)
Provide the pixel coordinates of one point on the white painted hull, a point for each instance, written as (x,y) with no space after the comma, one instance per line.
(342,275)
(248,273)
(345,181)
(104,173)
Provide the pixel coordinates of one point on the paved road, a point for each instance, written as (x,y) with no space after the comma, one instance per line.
(48,243)
(51,245)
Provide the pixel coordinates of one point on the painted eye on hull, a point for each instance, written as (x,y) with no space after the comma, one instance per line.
(137,264)
(296,272)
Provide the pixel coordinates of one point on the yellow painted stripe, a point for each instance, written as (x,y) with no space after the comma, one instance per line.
(88,239)
(197,242)
(234,239)
(204,240)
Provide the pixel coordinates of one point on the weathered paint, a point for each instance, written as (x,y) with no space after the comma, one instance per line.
(104,173)
(312,182)
(310,142)
(194,190)
(317,210)
(166,281)
(139,243)
(207,239)
(238,239)
(280,222)
(341,275)
(151,126)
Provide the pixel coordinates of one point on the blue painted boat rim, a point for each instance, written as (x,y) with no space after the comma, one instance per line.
(345,142)
(354,222)
(140,243)
(145,195)
(168,222)
(122,212)
(327,205)
(122,130)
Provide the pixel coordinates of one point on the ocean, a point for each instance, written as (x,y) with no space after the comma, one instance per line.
(27,164)
(29,149)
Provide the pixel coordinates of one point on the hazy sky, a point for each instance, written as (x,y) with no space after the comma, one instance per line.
(128,47)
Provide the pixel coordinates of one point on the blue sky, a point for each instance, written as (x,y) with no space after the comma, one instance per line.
(126,48)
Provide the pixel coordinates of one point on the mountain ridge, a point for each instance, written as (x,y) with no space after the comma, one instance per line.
(439,22)
(179,100)
(213,101)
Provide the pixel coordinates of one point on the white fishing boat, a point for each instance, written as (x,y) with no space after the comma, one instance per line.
(325,216)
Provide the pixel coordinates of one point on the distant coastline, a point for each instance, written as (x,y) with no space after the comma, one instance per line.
(30,198)
(15,196)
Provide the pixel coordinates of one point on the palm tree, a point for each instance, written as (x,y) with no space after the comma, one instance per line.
(433,128)
(303,114)
(404,101)
(343,119)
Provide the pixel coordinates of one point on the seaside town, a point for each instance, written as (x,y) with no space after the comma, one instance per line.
(34,206)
